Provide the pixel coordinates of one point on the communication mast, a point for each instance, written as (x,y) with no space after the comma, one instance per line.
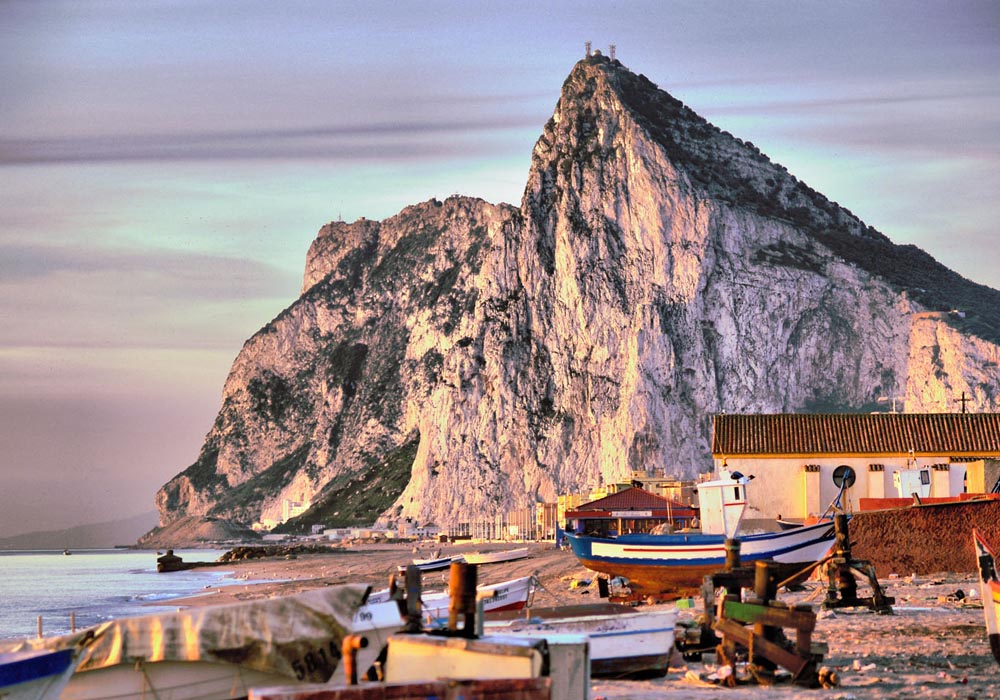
(588,49)
(612,49)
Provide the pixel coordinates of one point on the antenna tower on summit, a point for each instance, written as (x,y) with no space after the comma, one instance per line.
(612,50)
(587,44)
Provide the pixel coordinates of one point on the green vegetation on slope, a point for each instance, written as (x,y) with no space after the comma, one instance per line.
(358,499)
(242,500)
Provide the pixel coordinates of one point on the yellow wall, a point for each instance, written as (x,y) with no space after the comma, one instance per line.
(976,477)
(876,483)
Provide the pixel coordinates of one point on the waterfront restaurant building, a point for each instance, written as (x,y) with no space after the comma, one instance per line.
(631,510)
(793,456)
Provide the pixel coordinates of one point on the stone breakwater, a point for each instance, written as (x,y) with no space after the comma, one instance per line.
(268,551)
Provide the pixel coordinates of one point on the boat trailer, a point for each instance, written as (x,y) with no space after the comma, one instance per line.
(755,627)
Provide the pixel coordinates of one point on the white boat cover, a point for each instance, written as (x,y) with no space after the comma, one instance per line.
(271,635)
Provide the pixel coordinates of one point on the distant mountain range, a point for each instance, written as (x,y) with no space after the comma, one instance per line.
(94,536)
(463,359)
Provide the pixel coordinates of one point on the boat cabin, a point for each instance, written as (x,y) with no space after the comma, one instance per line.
(723,502)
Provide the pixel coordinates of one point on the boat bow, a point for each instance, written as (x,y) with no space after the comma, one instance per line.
(990,586)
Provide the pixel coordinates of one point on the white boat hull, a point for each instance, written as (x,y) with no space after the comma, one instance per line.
(168,680)
(989,579)
(509,595)
(428,565)
(623,641)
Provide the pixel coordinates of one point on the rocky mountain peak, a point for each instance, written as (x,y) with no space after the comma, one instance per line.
(710,160)
(462,359)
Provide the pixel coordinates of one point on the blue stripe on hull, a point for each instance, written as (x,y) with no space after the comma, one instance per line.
(20,667)
(662,561)
(630,633)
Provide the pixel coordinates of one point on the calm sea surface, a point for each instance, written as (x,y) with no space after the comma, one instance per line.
(97,584)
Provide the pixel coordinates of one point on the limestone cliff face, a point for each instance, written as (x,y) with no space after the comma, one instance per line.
(461,358)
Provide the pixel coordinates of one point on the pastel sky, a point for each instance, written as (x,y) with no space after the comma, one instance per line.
(164,166)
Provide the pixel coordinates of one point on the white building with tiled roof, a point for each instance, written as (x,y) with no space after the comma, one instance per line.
(793,456)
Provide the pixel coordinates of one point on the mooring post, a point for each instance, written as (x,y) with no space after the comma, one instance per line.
(462,592)
(732,554)
(847,586)
(414,606)
(765,590)
(726,650)
(732,564)
(764,583)
(349,650)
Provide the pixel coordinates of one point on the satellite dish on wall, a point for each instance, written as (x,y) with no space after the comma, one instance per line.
(844,476)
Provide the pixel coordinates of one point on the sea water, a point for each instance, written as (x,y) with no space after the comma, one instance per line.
(96,584)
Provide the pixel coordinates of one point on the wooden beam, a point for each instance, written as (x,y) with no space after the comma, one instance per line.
(758,646)
(750,613)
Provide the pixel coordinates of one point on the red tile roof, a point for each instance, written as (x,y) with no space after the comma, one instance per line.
(630,499)
(958,434)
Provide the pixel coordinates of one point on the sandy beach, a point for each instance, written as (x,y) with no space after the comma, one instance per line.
(933,646)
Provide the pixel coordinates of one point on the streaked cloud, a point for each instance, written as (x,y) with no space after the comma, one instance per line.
(92,457)
(181,275)
(81,297)
(385,141)
(778,106)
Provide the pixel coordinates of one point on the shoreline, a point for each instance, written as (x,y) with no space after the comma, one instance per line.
(373,564)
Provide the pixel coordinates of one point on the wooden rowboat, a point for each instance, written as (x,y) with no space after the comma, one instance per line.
(990,586)
(495,557)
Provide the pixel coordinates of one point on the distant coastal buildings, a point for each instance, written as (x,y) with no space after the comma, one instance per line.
(289,509)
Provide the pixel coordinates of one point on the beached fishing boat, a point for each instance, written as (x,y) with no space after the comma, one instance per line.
(624,641)
(435,564)
(495,557)
(220,652)
(675,565)
(498,597)
(785,524)
(38,674)
(990,585)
